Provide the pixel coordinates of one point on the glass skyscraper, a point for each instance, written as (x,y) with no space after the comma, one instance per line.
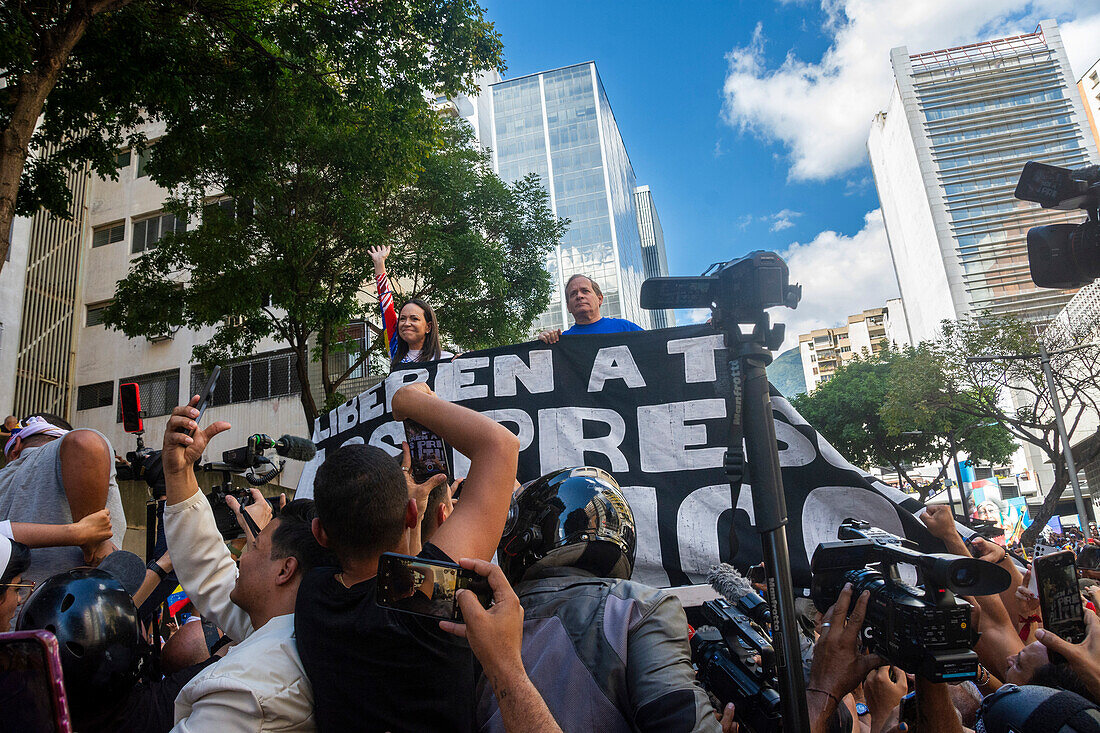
(559,124)
(653,248)
(947,154)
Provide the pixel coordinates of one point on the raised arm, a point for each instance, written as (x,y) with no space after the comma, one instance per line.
(473,530)
(385,296)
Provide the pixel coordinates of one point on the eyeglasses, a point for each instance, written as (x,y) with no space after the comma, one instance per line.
(24,589)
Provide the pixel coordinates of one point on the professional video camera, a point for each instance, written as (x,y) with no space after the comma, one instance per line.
(724,654)
(1063,255)
(925,632)
(245,461)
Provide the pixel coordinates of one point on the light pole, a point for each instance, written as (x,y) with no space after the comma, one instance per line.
(1067,452)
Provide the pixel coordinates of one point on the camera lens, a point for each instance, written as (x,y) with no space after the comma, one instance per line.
(963,576)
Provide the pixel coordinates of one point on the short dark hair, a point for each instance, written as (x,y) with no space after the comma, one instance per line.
(361,495)
(18,563)
(56,420)
(1061,676)
(293,537)
(435,498)
(595,285)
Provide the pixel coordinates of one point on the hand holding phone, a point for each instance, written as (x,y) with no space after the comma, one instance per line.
(428,453)
(205,396)
(425,587)
(1060,596)
(495,634)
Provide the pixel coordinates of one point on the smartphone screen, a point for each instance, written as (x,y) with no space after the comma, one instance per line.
(129,400)
(31,690)
(426,587)
(1060,596)
(427,451)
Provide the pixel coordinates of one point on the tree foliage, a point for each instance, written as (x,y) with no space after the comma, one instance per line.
(318,174)
(93,71)
(857,411)
(1013,393)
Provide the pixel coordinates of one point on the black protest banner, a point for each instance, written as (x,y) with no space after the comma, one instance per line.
(649,407)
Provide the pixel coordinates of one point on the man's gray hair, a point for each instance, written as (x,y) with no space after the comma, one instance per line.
(595,285)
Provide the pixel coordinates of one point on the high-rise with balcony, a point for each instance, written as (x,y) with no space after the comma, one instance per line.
(946,156)
(824,350)
(654,259)
(559,125)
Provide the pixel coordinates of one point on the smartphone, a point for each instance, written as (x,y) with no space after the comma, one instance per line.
(907,710)
(32,690)
(428,453)
(426,587)
(1060,595)
(206,394)
(129,400)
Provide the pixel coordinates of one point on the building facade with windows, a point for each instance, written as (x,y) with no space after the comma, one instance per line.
(824,350)
(654,259)
(946,156)
(559,125)
(1088,86)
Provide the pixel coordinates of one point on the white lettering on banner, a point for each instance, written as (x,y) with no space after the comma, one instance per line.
(826,507)
(664,436)
(525,432)
(369,405)
(347,416)
(309,471)
(537,378)
(698,356)
(697,529)
(786,409)
(465,389)
(562,442)
(395,431)
(319,433)
(399,379)
(799,451)
(648,564)
(614,362)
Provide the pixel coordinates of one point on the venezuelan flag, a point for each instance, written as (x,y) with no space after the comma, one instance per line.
(177,599)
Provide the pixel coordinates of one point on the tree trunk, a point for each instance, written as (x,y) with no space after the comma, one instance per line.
(309,406)
(29,96)
(1046,509)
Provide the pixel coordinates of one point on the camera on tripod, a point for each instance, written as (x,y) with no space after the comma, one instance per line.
(1063,255)
(246,461)
(927,632)
(725,656)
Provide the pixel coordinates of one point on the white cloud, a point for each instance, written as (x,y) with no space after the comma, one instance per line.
(692,316)
(840,275)
(820,111)
(784,219)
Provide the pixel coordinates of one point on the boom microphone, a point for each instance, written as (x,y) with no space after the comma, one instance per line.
(288,446)
(737,589)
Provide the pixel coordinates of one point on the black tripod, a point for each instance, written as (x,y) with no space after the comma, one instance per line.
(749,354)
(738,292)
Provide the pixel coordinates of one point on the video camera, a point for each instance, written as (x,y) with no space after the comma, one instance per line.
(925,632)
(245,461)
(724,654)
(1063,255)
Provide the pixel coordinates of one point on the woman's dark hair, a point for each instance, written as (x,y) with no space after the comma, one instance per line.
(1061,676)
(18,563)
(431,350)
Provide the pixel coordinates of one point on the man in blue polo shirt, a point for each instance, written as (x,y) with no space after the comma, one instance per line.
(583,299)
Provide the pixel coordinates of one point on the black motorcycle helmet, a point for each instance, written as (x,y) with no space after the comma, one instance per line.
(575,517)
(1034,709)
(96,625)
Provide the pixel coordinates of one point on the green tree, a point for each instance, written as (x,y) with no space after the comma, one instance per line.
(311,197)
(859,412)
(79,78)
(1013,393)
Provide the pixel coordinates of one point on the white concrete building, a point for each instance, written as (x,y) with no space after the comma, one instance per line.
(1089,88)
(947,153)
(825,350)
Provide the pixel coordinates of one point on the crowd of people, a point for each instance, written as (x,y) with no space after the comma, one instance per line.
(291,635)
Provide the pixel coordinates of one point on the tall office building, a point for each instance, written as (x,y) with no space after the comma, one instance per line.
(559,124)
(946,156)
(653,249)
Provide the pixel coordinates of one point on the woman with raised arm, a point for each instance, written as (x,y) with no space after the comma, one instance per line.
(412,334)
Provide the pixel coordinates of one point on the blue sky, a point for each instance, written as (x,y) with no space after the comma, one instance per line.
(748,119)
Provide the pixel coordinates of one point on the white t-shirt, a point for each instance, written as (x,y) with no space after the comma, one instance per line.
(414,355)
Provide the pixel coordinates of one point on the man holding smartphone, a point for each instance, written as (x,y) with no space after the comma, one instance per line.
(373,668)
